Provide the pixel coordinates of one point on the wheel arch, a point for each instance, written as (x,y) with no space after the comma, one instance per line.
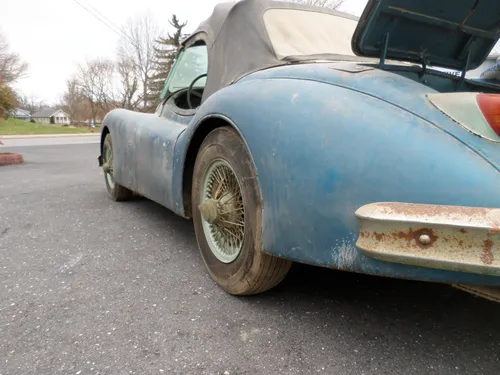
(203,129)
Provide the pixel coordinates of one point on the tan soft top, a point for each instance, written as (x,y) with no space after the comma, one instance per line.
(252,35)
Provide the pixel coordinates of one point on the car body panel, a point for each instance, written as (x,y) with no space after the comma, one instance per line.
(143,145)
(401,88)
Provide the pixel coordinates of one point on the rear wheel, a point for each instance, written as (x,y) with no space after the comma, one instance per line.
(227,217)
(115,190)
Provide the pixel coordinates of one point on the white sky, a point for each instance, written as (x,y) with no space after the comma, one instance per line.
(54,35)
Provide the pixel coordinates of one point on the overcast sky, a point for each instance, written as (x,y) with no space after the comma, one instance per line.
(54,35)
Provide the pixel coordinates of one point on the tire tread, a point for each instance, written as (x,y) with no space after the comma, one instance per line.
(265,271)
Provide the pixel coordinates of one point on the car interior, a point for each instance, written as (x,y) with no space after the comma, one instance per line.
(180,98)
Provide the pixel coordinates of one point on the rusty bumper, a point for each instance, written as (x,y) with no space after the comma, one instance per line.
(456,238)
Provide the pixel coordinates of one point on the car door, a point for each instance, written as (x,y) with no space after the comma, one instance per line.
(156,139)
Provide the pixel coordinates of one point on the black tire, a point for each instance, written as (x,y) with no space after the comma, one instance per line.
(253,271)
(117,192)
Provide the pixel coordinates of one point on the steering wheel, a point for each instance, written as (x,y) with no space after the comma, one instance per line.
(191,92)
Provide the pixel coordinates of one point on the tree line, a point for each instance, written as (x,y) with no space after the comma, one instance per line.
(12,68)
(133,80)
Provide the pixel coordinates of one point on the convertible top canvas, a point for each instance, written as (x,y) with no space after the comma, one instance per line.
(251,35)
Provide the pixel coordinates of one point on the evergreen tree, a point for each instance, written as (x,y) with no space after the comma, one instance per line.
(165,53)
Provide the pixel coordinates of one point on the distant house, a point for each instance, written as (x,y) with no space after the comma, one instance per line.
(21,114)
(51,116)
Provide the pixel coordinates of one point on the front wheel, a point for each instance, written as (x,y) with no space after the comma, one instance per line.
(115,190)
(227,217)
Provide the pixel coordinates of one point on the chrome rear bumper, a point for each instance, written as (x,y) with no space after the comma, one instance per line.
(455,238)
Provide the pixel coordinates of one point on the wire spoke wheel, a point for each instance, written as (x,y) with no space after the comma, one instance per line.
(223,211)
(226,207)
(108,163)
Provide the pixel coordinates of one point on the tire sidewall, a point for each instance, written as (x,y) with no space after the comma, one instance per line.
(224,143)
(108,143)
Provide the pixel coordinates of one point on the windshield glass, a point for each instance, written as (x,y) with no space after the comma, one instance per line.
(191,63)
(296,32)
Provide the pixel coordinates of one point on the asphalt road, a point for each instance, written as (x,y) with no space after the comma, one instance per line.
(89,286)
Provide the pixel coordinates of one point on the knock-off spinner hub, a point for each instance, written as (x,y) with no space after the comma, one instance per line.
(209,211)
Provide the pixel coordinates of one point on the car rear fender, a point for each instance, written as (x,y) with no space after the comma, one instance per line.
(322,151)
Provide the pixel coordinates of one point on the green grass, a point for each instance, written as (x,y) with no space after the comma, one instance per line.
(12,126)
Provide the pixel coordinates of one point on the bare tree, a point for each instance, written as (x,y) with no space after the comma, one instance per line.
(137,47)
(95,80)
(72,97)
(12,67)
(30,103)
(102,85)
(73,100)
(129,83)
(332,4)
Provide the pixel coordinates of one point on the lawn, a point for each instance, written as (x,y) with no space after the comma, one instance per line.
(19,127)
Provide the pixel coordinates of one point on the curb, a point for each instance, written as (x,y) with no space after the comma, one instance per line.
(49,135)
(9,158)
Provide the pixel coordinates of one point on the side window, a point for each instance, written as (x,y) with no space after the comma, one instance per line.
(190,64)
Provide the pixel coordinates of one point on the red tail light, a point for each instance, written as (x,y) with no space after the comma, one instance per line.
(490,106)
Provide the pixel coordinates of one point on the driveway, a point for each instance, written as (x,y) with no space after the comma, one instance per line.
(89,286)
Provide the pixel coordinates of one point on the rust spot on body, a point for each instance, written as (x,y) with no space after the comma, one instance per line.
(494,231)
(462,230)
(379,236)
(487,255)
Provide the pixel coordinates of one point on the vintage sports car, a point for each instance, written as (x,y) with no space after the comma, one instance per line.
(291,133)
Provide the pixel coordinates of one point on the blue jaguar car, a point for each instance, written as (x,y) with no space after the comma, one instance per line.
(291,133)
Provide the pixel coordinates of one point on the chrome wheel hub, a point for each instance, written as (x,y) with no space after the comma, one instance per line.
(222,211)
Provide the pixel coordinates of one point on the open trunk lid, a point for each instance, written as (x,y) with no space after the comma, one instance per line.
(456,34)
